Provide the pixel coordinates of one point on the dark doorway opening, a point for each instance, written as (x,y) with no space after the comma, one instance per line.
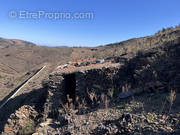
(70,86)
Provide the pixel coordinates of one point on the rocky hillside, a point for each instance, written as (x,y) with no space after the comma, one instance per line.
(150,66)
(6,43)
(21,56)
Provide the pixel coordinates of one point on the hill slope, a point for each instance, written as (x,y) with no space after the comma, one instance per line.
(151,66)
(18,57)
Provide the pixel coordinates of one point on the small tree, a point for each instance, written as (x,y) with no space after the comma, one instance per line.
(163,30)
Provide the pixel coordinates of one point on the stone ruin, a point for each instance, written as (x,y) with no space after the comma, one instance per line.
(78,80)
(156,70)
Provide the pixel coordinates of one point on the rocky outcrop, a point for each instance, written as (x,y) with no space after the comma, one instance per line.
(22,121)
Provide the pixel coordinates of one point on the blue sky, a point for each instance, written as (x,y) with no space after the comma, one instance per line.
(113,20)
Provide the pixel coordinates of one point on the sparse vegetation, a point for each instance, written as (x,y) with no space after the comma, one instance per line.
(28,129)
(92,97)
(150,117)
(171,99)
(106,102)
(163,30)
(153,71)
(121,106)
(111,93)
(129,109)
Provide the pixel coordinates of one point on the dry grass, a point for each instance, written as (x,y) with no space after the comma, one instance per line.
(92,96)
(111,93)
(68,105)
(106,102)
(102,97)
(172,98)
(28,129)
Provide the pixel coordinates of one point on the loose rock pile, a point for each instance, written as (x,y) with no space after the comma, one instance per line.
(22,121)
(114,120)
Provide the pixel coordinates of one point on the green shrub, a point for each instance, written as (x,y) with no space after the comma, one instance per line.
(163,30)
(150,117)
(129,109)
(121,106)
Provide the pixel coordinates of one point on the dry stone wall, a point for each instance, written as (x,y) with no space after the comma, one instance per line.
(94,81)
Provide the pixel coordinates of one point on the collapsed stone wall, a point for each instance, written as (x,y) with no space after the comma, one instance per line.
(96,81)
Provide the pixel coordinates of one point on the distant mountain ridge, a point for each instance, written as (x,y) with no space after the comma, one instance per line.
(5,43)
(22,55)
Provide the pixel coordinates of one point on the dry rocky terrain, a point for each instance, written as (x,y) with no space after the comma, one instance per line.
(150,66)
